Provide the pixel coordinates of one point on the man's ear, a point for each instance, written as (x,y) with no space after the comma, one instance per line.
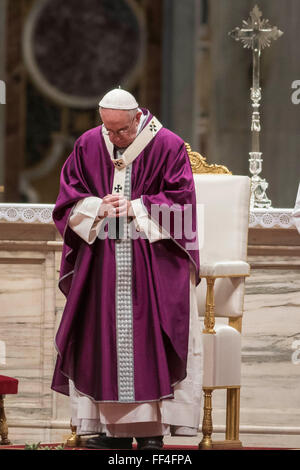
(138,116)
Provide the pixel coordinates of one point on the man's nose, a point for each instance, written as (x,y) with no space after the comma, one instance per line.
(114,138)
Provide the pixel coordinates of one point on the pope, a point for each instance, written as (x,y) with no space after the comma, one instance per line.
(128,344)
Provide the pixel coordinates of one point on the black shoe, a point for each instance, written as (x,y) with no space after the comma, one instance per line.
(104,442)
(150,443)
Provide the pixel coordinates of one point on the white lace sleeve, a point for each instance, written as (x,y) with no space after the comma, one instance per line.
(84,219)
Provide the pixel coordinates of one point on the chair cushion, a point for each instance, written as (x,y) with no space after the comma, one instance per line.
(222,357)
(8,385)
(225,268)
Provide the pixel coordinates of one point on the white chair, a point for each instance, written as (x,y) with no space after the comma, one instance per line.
(223,202)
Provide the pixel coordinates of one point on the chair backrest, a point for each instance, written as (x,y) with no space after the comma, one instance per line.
(223,216)
(223,203)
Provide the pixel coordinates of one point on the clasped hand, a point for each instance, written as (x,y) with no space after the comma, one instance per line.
(114,205)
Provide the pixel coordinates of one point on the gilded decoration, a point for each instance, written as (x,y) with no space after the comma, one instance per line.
(199,164)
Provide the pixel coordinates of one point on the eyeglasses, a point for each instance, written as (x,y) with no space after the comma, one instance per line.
(120,132)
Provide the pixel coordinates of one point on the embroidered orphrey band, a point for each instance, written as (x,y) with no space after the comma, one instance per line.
(124,323)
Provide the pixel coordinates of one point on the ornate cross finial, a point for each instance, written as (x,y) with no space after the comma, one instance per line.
(256,32)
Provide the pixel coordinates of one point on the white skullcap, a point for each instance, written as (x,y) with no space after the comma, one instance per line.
(118,99)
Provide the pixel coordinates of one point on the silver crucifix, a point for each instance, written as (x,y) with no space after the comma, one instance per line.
(256,34)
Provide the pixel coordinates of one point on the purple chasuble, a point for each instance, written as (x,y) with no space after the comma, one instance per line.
(86,340)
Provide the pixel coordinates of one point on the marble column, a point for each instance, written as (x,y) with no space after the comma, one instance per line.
(2,78)
(150,84)
(179,88)
(230,139)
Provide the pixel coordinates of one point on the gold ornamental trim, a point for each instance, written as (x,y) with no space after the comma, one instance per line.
(199,164)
